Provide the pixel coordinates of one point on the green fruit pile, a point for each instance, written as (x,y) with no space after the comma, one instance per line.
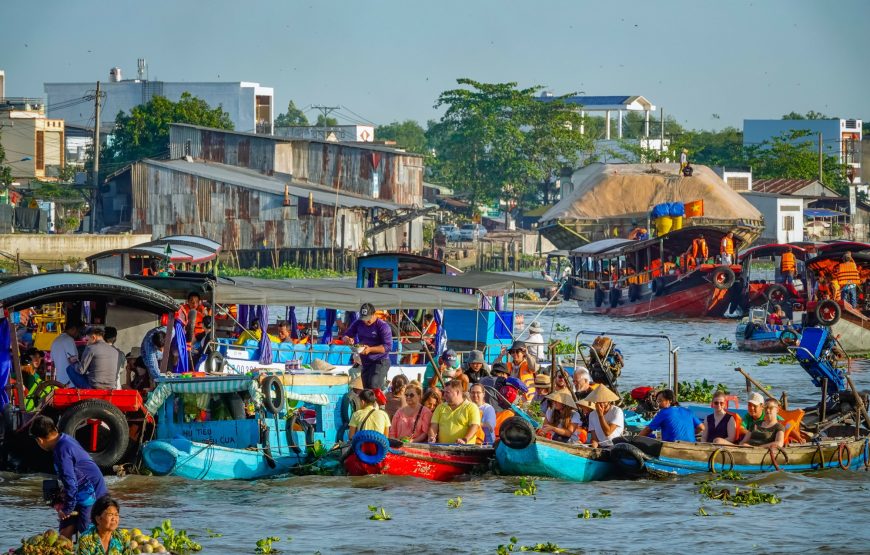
(47,543)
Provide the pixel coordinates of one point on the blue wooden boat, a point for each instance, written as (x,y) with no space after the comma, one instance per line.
(521,453)
(646,456)
(244,427)
(759,337)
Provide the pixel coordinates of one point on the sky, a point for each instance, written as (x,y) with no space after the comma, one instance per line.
(709,63)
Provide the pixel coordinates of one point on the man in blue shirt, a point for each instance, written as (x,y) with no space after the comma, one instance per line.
(675,422)
(375,339)
(82,480)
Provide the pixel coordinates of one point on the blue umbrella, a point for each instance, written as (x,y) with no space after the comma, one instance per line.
(265,343)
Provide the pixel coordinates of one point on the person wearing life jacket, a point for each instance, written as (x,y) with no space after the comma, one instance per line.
(512,390)
(787,266)
(699,249)
(522,366)
(823,289)
(849,279)
(656,268)
(192,315)
(726,249)
(777,317)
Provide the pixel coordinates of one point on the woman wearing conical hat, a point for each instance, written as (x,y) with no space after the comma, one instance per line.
(561,420)
(606,422)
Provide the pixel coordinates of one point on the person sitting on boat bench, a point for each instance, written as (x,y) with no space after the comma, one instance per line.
(675,422)
(100,363)
(767,433)
(778,317)
(376,340)
(447,368)
(583,385)
(606,422)
(64,352)
(755,412)
(457,419)
(721,426)
(475,368)
(369,416)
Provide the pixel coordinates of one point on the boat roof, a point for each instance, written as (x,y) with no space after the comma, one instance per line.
(829,260)
(772,249)
(182,248)
(72,286)
(598,247)
(477,281)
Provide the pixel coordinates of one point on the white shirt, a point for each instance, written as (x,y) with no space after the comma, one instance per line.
(63,347)
(613,416)
(535,346)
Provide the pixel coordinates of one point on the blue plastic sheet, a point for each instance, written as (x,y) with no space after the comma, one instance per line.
(5,361)
(330,322)
(441,335)
(180,341)
(265,344)
(293,322)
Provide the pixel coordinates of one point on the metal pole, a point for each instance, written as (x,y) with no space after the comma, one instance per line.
(16,364)
(676,381)
(96,158)
(823,410)
(858,400)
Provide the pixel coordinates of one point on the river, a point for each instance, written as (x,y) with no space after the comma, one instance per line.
(819,512)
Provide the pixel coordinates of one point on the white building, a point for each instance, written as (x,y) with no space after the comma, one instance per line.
(738,180)
(249,105)
(783,216)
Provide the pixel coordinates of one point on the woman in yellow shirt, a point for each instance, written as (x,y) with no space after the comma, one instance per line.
(369,416)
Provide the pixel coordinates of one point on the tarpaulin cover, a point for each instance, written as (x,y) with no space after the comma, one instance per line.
(5,361)
(180,341)
(265,343)
(478,281)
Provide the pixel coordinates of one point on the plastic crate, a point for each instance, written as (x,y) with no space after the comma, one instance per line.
(127,400)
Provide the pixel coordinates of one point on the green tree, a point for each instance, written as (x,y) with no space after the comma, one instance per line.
(407,134)
(795,155)
(496,142)
(712,148)
(812,114)
(293,116)
(144,133)
(325,121)
(5,171)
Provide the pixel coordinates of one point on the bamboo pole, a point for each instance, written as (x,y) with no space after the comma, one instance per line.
(755,383)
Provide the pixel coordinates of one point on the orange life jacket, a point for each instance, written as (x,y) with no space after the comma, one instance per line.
(525,375)
(699,248)
(847,273)
(198,326)
(727,246)
(500,418)
(787,263)
(146,271)
(656,267)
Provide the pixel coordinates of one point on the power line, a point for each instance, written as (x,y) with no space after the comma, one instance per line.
(359,116)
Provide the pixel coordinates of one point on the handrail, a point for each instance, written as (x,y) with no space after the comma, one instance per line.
(671,351)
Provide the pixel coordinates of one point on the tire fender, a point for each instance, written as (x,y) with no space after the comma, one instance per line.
(722,277)
(828,312)
(368,438)
(516,433)
(273,394)
(629,458)
(111,417)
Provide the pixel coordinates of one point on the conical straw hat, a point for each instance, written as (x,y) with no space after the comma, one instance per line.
(563,397)
(602,394)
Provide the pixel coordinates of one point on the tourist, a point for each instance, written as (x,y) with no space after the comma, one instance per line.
(396,398)
(64,352)
(100,364)
(486,434)
(726,249)
(769,432)
(37,361)
(102,536)
(111,336)
(560,381)
(253,333)
(583,385)
(535,344)
(607,421)
(542,389)
(787,266)
(521,366)
(849,279)
(560,420)
(721,426)
(778,317)
(411,421)
(675,423)
(511,390)
(475,367)
(442,369)
(457,419)
(152,350)
(79,475)
(375,340)
(494,382)
(755,412)
(432,398)
(369,416)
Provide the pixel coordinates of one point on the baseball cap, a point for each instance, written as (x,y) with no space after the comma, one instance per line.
(517,383)
(755,399)
(366,311)
(450,358)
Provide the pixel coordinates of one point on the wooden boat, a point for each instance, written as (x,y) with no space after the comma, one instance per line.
(208,461)
(554,459)
(647,456)
(753,334)
(374,453)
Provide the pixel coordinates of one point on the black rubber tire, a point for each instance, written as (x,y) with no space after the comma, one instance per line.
(777,294)
(75,417)
(629,458)
(634,292)
(215,363)
(614,296)
(598,296)
(722,277)
(789,338)
(380,441)
(273,394)
(828,312)
(658,286)
(42,386)
(307,429)
(516,433)
(348,407)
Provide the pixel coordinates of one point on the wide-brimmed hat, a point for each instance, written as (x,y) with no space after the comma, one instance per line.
(536,327)
(517,346)
(476,356)
(542,380)
(563,397)
(320,365)
(755,399)
(135,352)
(602,394)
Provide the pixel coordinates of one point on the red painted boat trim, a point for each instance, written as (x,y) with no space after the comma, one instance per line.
(429,463)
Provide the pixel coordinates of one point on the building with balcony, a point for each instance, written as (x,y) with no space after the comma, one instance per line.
(34,144)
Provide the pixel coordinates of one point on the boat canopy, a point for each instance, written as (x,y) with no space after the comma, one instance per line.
(829,261)
(772,249)
(175,248)
(599,247)
(478,281)
(71,286)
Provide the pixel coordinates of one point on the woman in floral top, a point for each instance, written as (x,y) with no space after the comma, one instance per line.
(102,537)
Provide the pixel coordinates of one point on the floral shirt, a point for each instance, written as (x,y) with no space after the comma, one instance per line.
(90,544)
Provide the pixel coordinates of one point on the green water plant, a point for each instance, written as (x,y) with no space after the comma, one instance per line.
(750,495)
(379,513)
(512,547)
(264,545)
(699,391)
(454,503)
(527,487)
(707,339)
(724,344)
(561,327)
(600,513)
(212,534)
(176,541)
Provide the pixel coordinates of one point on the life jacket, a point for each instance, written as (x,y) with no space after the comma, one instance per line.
(847,273)
(431,329)
(183,314)
(231,312)
(146,271)
(787,263)
(656,267)
(525,375)
(823,291)
(727,246)
(699,248)
(500,418)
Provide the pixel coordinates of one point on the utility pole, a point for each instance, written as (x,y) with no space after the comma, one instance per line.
(821,159)
(96,184)
(326,110)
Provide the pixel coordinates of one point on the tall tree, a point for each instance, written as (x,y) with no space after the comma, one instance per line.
(325,121)
(812,114)
(497,141)
(293,116)
(407,134)
(5,171)
(795,155)
(144,133)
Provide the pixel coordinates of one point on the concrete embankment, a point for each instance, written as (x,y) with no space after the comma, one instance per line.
(52,251)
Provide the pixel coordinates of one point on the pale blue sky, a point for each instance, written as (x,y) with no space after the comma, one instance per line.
(389,60)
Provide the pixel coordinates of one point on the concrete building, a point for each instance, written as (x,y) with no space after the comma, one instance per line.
(739,180)
(249,105)
(840,137)
(795,187)
(333,133)
(34,144)
(783,216)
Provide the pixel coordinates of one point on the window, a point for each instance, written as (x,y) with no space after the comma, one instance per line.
(788,223)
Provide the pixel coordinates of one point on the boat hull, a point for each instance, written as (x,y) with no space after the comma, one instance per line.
(760,340)
(547,458)
(853,333)
(681,458)
(439,462)
(696,301)
(203,461)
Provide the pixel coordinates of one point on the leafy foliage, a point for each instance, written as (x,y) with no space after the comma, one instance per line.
(600,513)
(699,391)
(751,495)
(293,116)
(174,541)
(264,545)
(325,121)
(454,503)
(285,271)
(512,547)
(5,171)
(407,134)
(527,487)
(379,513)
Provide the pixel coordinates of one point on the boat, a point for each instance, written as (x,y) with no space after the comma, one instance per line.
(522,453)
(850,324)
(635,278)
(644,456)
(753,333)
(371,452)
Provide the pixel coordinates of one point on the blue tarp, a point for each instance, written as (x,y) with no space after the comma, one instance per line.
(822,213)
(265,344)
(5,361)
(676,209)
(293,322)
(181,344)
(330,322)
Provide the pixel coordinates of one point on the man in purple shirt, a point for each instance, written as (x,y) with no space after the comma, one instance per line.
(82,480)
(375,339)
